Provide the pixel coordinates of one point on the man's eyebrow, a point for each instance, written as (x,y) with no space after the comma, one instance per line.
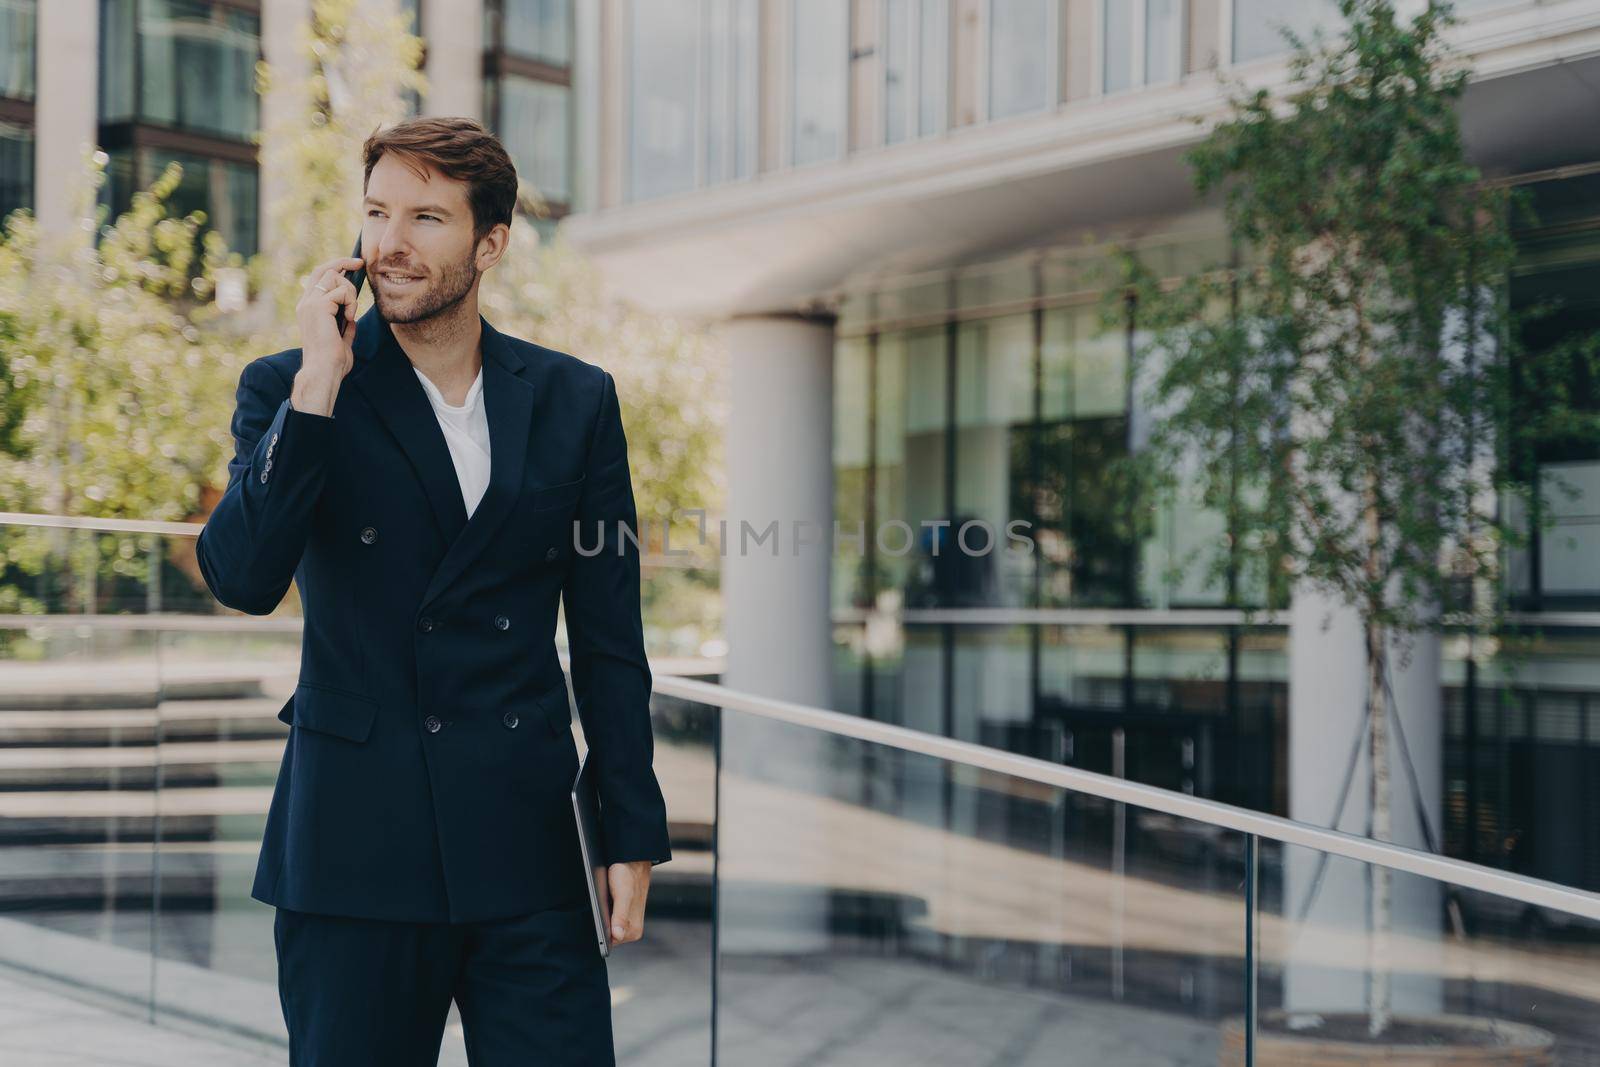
(435,208)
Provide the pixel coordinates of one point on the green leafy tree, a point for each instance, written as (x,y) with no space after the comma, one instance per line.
(107,369)
(118,368)
(1349,393)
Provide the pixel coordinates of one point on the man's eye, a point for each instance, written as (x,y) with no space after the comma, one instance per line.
(374,211)
(435,218)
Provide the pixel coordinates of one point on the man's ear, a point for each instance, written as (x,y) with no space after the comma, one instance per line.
(493,243)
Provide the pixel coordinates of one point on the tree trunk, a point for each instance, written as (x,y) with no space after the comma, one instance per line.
(1379,1001)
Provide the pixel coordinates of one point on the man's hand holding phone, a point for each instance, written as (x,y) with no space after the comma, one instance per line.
(326,354)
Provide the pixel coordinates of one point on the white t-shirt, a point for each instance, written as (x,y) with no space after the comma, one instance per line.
(466,431)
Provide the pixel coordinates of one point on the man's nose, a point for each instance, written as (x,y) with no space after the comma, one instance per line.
(394,245)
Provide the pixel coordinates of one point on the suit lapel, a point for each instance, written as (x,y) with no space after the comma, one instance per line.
(391,384)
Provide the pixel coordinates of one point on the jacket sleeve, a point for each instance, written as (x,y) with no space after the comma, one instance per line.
(254,538)
(605,640)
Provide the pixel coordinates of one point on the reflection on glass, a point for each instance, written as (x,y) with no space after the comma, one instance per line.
(1022,50)
(852,461)
(991,690)
(197,62)
(732,89)
(1259,25)
(869,899)
(1079,503)
(1142,42)
(536,29)
(664,42)
(1467,971)
(16,168)
(535,122)
(1163,41)
(987,566)
(18,34)
(820,52)
(910,473)
(915,68)
(225,191)
(1116,16)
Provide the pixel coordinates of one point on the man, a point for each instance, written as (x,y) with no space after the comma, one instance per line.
(419,475)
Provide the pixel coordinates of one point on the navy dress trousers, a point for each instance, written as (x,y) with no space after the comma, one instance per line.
(420,835)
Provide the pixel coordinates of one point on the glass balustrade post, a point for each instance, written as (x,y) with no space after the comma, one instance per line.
(1252,881)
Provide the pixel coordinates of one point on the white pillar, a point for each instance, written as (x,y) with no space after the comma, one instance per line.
(1327,698)
(776,617)
(779,469)
(66,113)
(454,34)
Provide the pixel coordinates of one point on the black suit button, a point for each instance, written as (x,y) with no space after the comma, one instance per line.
(552,552)
(263,475)
(425,624)
(368,535)
(432,723)
(510,719)
(501,622)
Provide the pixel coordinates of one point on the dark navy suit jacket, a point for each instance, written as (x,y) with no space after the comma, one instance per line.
(426,774)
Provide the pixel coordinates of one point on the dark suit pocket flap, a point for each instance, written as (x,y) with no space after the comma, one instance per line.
(334,711)
(546,497)
(557,710)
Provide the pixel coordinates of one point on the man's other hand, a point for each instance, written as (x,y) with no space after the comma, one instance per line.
(630,883)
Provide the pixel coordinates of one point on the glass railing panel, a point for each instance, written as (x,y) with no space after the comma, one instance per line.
(661,985)
(1471,976)
(885,907)
(221,746)
(59,570)
(78,807)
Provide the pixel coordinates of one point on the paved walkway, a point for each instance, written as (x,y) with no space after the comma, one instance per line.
(40,1027)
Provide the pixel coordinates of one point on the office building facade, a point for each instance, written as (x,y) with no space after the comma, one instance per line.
(896,214)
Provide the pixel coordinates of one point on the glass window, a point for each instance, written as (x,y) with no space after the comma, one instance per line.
(225,191)
(16,168)
(994,429)
(916,53)
(534,123)
(820,53)
(852,460)
(1141,44)
(117,44)
(732,93)
(694,94)
(665,43)
(198,65)
(1083,559)
(18,27)
(1022,49)
(1258,25)
(535,29)
(1163,41)
(910,450)
(1117,45)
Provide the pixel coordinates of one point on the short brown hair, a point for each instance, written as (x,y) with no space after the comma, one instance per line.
(459,148)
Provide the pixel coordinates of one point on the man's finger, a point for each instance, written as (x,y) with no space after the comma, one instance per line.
(621,903)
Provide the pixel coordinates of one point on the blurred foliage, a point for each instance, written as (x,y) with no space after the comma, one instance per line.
(118,371)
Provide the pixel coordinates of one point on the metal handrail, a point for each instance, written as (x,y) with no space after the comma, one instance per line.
(1535,891)
(1517,887)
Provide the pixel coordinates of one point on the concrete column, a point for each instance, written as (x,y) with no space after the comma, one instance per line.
(779,468)
(1327,698)
(776,616)
(67,113)
(454,32)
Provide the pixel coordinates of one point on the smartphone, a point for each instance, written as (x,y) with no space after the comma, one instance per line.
(357,276)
